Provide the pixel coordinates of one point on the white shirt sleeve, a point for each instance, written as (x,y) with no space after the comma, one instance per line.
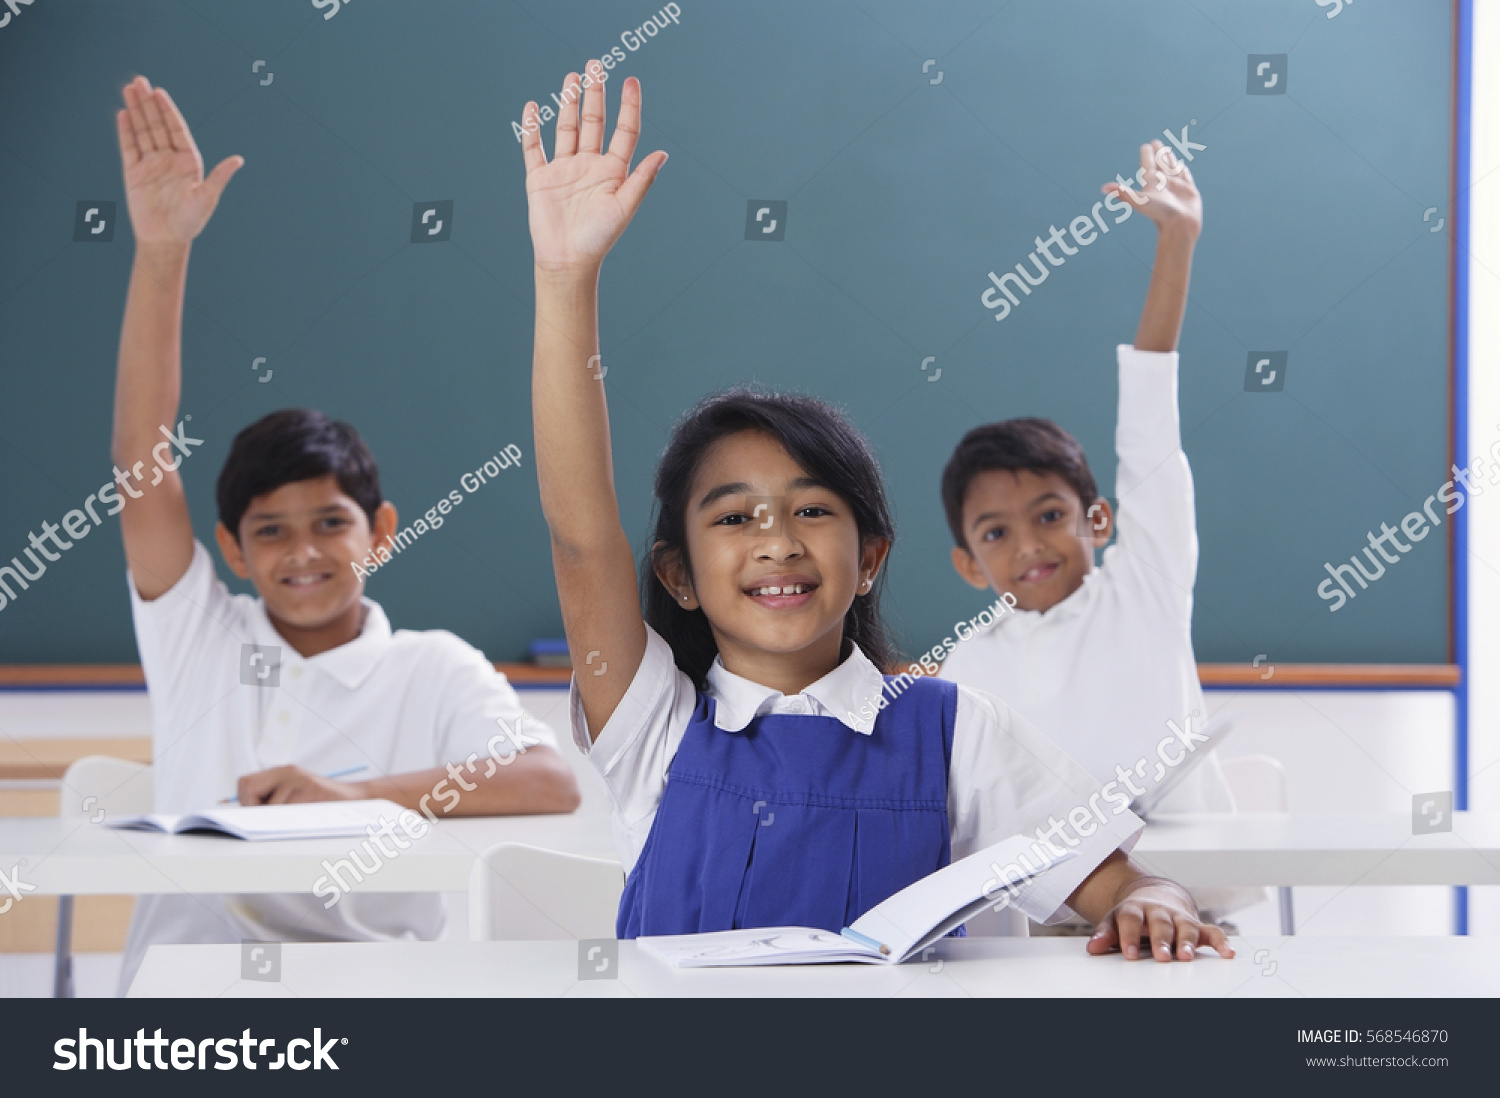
(1005,778)
(475,700)
(1156,524)
(638,742)
(175,630)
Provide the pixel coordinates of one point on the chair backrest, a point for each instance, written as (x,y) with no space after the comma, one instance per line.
(98,784)
(519,892)
(1258,783)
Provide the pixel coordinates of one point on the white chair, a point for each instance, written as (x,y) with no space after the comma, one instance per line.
(1258,783)
(519,892)
(94,788)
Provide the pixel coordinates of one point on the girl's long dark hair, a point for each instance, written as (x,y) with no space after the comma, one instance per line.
(817,437)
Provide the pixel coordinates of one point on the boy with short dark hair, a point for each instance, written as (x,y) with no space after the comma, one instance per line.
(330,688)
(1099,659)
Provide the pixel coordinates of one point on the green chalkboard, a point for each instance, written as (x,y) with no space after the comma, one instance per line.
(916,148)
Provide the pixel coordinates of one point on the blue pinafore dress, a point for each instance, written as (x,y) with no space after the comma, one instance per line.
(797,820)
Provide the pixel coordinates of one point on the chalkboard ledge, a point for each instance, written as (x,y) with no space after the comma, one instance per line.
(1348,676)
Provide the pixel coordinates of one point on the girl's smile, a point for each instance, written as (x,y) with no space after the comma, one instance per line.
(782,591)
(774,561)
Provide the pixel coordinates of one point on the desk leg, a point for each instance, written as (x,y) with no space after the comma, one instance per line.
(1288,922)
(62,974)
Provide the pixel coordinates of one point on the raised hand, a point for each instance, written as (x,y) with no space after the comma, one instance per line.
(1169,197)
(169,199)
(582,200)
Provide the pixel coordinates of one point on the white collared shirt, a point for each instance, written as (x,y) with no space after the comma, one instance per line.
(391,702)
(1103,671)
(1004,778)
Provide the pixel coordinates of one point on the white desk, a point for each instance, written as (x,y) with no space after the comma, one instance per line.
(79,858)
(986,967)
(1200,851)
(1261,849)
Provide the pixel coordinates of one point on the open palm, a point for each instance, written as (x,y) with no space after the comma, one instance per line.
(165,190)
(1170,196)
(582,200)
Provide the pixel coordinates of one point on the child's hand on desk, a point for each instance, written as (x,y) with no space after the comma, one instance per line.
(581,202)
(169,199)
(293,785)
(1169,197)
(1161,911)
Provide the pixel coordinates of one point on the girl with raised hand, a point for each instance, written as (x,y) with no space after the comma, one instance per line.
(726,701)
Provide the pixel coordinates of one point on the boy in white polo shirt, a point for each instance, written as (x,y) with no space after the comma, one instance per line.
(1097,659)
(260,698)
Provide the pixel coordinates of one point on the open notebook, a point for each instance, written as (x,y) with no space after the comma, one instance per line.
(319,820)
(893,930)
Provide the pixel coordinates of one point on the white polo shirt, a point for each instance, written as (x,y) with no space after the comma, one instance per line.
(1103,671)
(390,702)
(1004,777)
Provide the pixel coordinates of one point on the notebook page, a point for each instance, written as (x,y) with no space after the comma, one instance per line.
(321,819)
(152,821)
(774,945)
(906,919)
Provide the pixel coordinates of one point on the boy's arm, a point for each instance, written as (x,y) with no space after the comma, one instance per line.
(532,781)
(169,202)
(1166,298)
(579,204)
(1171,200)
(1157,527)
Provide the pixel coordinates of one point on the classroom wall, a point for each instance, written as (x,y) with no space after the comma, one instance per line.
(1484,429)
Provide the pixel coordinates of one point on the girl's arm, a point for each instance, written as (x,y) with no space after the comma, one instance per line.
(579,204)
(1125,904)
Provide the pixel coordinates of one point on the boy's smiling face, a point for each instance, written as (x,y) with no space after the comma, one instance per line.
(297,545)
(756,522)
(1029,534)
